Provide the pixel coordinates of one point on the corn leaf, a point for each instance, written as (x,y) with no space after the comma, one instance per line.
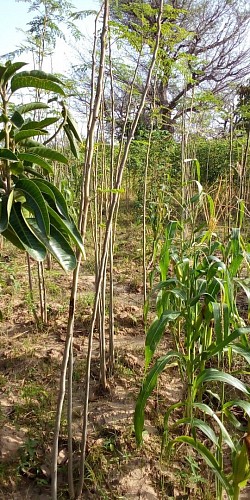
(209,459)
(147,388)
(214,375)
(155,333)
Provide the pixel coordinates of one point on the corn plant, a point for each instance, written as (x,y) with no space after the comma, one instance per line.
(196,306)
(33,213)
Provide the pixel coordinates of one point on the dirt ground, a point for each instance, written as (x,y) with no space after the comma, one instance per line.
(29,375)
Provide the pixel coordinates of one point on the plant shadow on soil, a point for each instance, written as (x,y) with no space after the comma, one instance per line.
(29,377)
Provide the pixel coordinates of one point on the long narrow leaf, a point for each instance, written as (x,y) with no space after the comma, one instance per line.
(31,244)
(23,134)
(57,245)
(208,411)
(49,154)
(155,333)
(147,388)
(67,227)
(213,375)
(36,203)
(209,459)
(55,195)
(37,160)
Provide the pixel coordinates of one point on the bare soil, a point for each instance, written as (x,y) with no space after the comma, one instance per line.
(30,360)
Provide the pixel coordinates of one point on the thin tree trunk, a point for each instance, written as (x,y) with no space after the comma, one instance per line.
(105,251)
(33,307)
(84,204)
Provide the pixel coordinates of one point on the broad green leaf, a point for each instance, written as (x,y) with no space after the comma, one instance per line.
(55,195)
(31,106)
(147,387)
(36,203)
(37,160)
(38,80)
(155,333)
(13,238)
(49,154)
(67,227)
(5,209)
(32,171)
(6,154)
(57,245)
(18,225)
(214,375)
(17,119)
(39,125)
(72,126)
(235,264)
(209,459)
(72,142)
(206,409)
(24,134)
(11,69)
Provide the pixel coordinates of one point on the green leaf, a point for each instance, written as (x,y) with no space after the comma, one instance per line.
(72,142)
(13,238)
(57,245)
(206,409)
(36,203)
(17,119)
(55,195)
(24,134)
(31,106)
(39,125)
(67,227)
(6,154)
(49,154)
(155,333)
(37,160)
(209,459)
(11,69)
(21,231)
(72,126)
(218,348)
(38,80)
(199,424)
(214,375)
(147,388)
(5,209)
(242,350)
(32,171)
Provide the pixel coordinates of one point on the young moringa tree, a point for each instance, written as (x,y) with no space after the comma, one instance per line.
(51,16)
(206,42)
(96,92)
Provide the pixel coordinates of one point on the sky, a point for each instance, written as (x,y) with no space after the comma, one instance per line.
(14,18)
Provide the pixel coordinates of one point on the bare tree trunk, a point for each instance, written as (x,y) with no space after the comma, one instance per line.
(84,205)
(42,292)
(33,307)
(106,247)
